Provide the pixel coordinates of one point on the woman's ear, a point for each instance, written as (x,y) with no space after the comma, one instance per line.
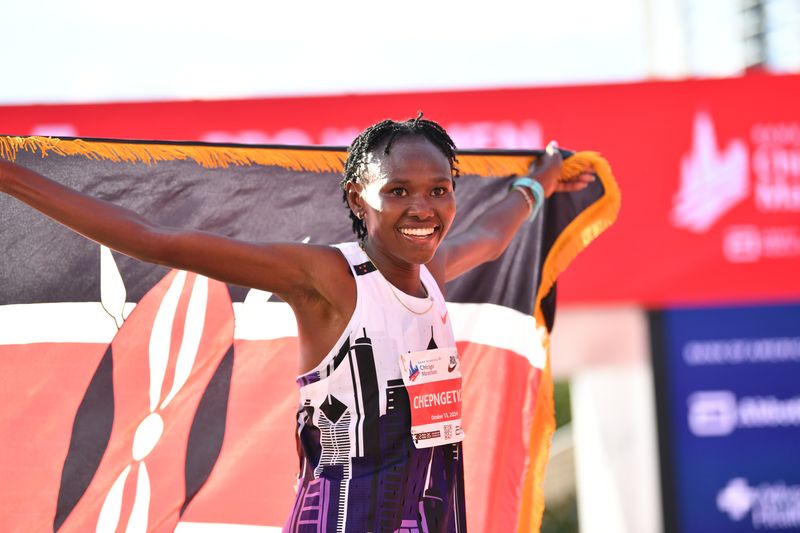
(354,198)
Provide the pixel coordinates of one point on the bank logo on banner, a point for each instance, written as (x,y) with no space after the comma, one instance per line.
(719,413)
(712,413)
(715,179)
(773,505)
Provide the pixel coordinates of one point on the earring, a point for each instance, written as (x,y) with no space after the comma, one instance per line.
(360,215)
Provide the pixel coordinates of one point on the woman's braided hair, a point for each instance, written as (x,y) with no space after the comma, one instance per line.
(387,131)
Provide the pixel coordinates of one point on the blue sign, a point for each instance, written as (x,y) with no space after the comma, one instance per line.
(728,384)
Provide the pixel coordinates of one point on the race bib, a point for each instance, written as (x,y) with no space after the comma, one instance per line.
(433,381)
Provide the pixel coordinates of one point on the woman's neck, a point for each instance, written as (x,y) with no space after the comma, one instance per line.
(404,276)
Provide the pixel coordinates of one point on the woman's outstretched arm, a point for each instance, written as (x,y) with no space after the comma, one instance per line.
(490,234)
(284,269)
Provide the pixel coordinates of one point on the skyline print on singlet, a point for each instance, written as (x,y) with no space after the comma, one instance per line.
(359,469)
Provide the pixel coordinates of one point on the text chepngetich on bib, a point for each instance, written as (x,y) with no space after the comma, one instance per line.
(433,381)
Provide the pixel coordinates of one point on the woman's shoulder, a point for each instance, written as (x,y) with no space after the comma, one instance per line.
(334,258)
(330,266)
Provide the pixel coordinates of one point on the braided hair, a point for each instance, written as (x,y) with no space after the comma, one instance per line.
(387,131)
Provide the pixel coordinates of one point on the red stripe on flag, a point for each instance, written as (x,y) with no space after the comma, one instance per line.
(253,480)
(45,384)
(132,374)
(500,389)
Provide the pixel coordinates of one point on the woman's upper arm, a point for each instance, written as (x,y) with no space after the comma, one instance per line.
(280,268)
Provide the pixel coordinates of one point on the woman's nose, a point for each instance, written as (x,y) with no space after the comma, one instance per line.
(420,207)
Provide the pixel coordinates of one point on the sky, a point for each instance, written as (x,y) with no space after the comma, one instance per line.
(92,50)
(95,51)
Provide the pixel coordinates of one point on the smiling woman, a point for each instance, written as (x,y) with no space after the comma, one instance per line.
(404,470)
(404,203)
(373,326)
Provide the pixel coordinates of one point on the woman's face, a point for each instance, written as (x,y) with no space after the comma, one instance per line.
(406,199)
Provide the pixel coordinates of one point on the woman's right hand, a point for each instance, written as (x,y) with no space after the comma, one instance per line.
(547,171)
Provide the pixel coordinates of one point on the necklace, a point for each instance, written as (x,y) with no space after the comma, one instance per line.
(394,291)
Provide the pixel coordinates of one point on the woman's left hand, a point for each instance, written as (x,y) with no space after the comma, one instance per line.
(547,171)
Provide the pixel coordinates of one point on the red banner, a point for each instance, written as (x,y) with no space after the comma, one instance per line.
(710,170)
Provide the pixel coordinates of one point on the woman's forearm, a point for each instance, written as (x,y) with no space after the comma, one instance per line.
(281,268)
(116,227)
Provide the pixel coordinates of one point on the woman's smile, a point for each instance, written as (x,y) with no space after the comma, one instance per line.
(418,233)
(407,201)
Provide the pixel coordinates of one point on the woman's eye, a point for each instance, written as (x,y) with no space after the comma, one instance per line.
(398,191)
(439,191)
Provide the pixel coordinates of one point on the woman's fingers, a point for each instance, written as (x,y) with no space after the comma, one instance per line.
(571,186)
(578,183)
(584,177)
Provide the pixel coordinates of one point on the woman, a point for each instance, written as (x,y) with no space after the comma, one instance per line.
(369,316)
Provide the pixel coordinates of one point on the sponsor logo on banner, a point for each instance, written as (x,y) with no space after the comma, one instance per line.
(60,129)
(742,351)
(720,413)
(715,179)
(712,413)
(504,134)
(773,505)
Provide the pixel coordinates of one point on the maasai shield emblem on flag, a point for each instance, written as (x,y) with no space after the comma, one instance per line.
(136,398)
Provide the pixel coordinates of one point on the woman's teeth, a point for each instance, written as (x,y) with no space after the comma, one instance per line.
(416,232)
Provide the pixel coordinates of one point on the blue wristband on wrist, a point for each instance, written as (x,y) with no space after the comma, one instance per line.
(536,189)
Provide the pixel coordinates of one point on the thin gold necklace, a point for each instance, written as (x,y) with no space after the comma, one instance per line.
(394,291)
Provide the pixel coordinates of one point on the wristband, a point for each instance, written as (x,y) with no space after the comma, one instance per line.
(536,189)
(528,197)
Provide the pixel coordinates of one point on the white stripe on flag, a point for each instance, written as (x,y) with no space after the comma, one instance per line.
(493,325)
(503,327)
(261,321)
(85,322)
(203,527)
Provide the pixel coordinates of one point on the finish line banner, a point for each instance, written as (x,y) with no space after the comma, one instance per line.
(141,398)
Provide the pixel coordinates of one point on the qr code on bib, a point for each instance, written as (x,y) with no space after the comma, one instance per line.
(448,431)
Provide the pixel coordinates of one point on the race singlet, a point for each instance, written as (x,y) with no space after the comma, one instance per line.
(433,381)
